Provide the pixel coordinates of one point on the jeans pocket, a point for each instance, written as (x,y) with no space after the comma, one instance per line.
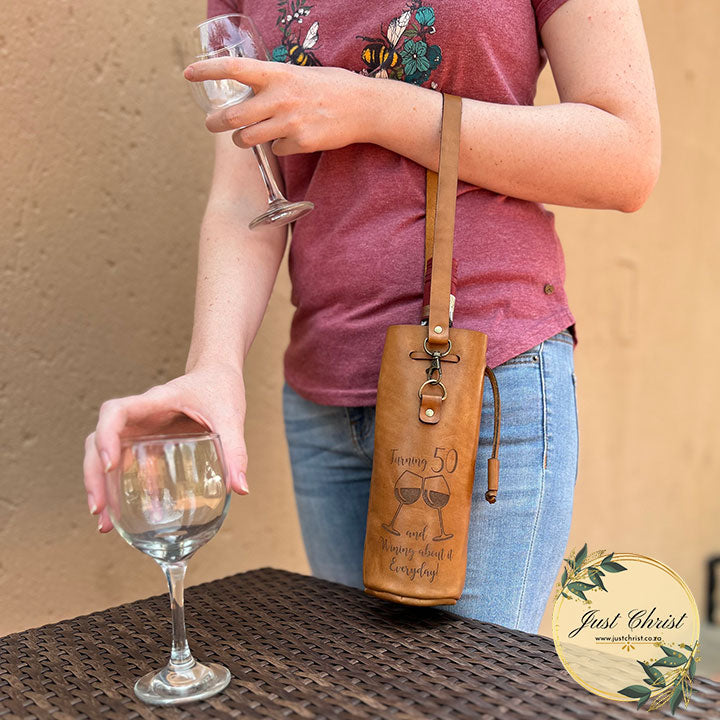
(529,356)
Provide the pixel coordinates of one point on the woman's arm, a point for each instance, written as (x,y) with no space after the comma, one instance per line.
(236,272)
(237,267)
(598,148)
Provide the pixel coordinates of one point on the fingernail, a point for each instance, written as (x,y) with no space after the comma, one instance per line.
(243,482)
(91,504)
(100,524)
(106,460)
(189,72)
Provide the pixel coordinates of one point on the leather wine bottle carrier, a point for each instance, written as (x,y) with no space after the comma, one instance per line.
(427,423)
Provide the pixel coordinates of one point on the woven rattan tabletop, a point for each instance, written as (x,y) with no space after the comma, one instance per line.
(299,647)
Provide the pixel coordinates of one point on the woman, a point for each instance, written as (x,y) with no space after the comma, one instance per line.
(352,110)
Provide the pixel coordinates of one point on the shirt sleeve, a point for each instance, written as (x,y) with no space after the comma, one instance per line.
(223,7)
(543,10)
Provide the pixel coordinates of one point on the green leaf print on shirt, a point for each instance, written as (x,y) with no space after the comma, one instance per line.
(404,51)
(291,14)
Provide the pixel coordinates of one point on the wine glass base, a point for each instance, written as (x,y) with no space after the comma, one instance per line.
(390,529)
(282,212)
(172,687)
(446,536)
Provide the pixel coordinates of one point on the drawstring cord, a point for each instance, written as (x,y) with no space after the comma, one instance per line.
(493,461)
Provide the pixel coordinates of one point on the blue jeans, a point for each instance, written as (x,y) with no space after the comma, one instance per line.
(516,545)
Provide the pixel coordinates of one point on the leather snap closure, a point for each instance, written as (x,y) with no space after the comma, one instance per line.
(549,289)
(429,412)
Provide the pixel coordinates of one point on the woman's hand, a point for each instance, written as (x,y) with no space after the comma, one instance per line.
(209,397)
(298,109)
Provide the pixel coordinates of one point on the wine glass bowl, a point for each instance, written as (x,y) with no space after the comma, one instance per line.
(436,494)
(167,497)
(235,35)
(213,95)
(170,497)
(408,487)
(230,35)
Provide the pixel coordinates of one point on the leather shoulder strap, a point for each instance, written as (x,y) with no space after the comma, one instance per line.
(440,223)
(430,199)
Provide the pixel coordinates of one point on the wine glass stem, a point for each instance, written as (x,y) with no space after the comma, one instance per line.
(442,529)
(268,177)
(180,655)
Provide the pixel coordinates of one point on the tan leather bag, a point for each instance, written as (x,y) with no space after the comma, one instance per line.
(427,423)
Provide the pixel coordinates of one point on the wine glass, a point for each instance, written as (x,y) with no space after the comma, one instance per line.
(407,491)
(167,497)
(436,494)
(235,35)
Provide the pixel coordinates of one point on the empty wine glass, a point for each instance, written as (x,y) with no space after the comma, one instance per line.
(235,35)
(167,497)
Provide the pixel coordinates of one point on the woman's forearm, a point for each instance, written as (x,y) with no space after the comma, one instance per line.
(237,269)
(566,154)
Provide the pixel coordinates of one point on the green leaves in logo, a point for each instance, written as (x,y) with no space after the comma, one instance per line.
(636,691)
(674,658)
(579,588)
(595,576)
(581,555)
(655,675)
(581,566)
(672,687)
(675,697)
(608,565)
(669,662)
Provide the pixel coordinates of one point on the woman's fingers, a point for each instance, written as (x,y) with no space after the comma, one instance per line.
(232,438)
(104,522)
(262,132)
(154,405)
(249,71)
(212,400)
(94,479)
(252,110)
(93,476)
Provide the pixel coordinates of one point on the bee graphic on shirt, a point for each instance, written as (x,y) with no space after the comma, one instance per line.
(300,54)
(380,54)
(293,49)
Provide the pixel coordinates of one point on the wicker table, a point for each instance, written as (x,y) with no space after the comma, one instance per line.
(299,647)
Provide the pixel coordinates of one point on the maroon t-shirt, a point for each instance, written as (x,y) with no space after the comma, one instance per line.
(356,261)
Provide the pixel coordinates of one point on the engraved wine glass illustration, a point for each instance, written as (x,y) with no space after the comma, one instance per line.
(436,493)
(407,491)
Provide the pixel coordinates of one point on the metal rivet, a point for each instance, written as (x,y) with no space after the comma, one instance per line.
(438,328)
(429,412)
(549,289)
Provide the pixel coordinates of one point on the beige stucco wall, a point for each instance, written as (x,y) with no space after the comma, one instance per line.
(105,171)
